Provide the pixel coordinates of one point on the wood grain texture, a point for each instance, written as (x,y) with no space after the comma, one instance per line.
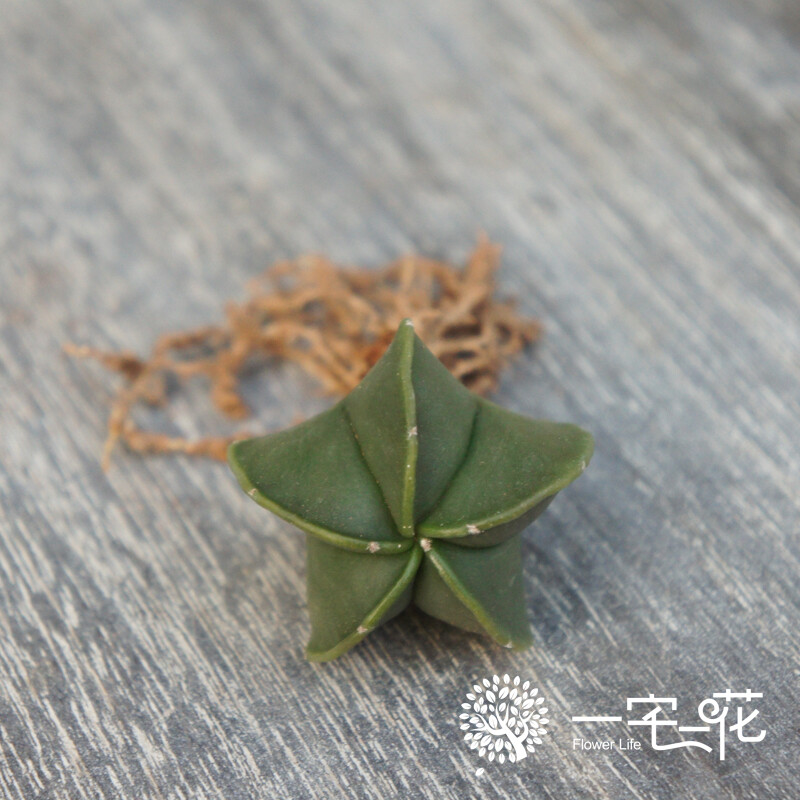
(639,160)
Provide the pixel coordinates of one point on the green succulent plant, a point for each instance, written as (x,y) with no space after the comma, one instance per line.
(412,489)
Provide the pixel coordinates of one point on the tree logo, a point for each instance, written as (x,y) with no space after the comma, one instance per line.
(502,719)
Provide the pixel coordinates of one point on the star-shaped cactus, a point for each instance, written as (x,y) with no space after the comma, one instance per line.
(412,489)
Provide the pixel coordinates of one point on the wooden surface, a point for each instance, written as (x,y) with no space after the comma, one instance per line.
(640,162)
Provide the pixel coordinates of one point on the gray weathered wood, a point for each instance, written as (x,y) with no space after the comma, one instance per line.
(639,160)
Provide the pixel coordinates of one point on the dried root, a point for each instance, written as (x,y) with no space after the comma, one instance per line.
(335,322)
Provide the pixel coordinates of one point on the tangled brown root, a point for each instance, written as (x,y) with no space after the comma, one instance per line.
(335,322)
